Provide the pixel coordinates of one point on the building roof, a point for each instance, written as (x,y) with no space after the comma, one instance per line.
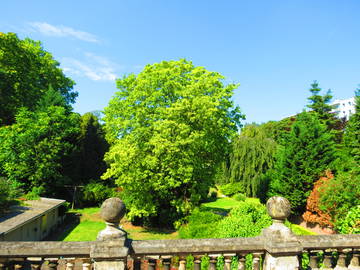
(20,215)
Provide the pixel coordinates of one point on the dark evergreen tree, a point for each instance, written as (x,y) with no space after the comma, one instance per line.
(309,150)
(352,132)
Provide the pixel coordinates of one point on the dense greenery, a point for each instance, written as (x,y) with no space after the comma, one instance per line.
(27,72)
(247,219)
(168,128)
(252,155)
(307,153)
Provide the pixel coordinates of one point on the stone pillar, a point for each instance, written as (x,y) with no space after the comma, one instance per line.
(110,252)
(282,247)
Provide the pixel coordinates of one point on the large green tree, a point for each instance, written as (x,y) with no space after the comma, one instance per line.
(307,153)
(252,155)
(352,132)
(33,150)
(168,128)
(27,71)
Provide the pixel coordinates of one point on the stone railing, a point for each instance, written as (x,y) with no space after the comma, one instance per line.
(275,248)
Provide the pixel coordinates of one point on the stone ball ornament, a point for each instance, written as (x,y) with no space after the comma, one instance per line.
(112,210)
(278,208)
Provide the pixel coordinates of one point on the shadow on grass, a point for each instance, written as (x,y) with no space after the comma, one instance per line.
(216,210)
(70,223)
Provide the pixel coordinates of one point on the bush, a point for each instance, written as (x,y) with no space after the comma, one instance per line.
(351,223)
(9,191)
(35,193)
(201,224)
(245,220)
(95,193)
(340,194)
(232,188)
(239,197)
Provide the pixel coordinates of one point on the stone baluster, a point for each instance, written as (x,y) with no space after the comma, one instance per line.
(52,263)
(212,262)
(2,265)
(166,262)
(18,266)
(327,260)
(241,262)
(182,263)
(355,261)
(227,260)
(313,260)
(341,262)
(136,264)
(151,264)
(70,265)
(197,262)
(86,266)
(277,234)
(256,261)
(110,252)
(35,262)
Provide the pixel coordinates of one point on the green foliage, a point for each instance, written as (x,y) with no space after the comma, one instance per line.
(351,223)
(245,220)
(168,128)
(320,104)
(9,191)
(200,224)
(252,155)
(352,132)
(277,130)
(232,188)
(96,192)
(308,151)
(87,163)
(27,71)
(33,149)
(35,193)
(239,197)
(341,194)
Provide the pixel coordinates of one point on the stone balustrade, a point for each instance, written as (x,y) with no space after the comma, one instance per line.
(275,248)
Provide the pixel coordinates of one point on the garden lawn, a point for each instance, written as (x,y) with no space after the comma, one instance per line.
(221,204)
(91,223)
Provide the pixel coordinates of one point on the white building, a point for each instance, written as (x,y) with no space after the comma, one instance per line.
(343,108)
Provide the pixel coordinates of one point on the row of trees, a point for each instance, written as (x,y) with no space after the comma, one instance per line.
(44,146)
(287,157)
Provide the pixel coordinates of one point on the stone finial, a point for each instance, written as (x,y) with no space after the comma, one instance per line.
(278,208)
(112,210)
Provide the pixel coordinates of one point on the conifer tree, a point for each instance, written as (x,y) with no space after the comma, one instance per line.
(352,133)
(308,152)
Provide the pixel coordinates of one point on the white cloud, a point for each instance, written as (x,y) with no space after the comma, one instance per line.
(62,31)
(94,67)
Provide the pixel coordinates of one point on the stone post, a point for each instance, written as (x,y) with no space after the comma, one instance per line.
(109,252)
(282,247)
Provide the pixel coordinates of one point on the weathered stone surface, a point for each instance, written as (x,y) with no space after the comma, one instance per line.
(278,207)
(281,263)
(112,210)
(109,265)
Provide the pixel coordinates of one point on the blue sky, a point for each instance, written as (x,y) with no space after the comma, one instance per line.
(274,49)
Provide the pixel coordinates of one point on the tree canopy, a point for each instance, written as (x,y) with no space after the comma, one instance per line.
(168,128)
(27,71)
(252,155)
(307,153)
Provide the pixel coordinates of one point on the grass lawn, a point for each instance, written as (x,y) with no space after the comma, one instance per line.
(91,223)
(221,204)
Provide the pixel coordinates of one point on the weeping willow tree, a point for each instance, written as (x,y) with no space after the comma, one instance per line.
(252,155)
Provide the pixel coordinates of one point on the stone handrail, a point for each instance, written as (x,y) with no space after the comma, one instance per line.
(275,248)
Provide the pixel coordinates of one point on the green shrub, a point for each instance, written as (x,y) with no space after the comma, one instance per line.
(95,193)
(245,220)
(35,193)
(232,188)
(201,224)
(239,197)
(340,194)
(9,191)
(351,223)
